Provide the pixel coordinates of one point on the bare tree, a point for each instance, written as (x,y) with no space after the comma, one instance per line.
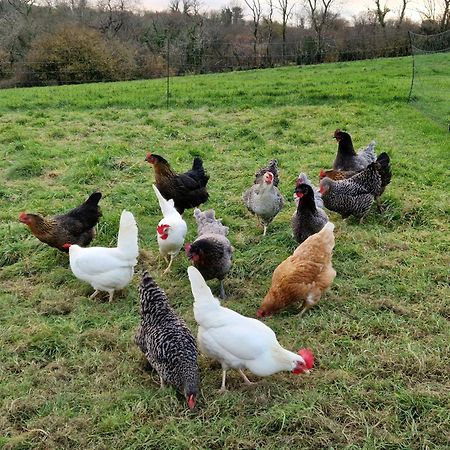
(437,12)
(319,14)
(268,19)
(381,13)
(174,6)
(286,12)
(255,8)
(401,16)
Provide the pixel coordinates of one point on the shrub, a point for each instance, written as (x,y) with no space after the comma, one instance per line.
(77,55)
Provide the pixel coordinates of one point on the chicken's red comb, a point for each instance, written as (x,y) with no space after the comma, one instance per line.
(22,215)
(160,228)
(308,356)
(322,173)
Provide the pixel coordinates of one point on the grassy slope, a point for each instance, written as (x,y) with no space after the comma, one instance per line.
(71,376)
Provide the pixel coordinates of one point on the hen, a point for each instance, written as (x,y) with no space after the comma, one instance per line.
(236,341)
(264,199)
(108,269)
(75,227)
(355,195)
(211,252)
(304,276)
(171,229)
(309,218)
(167,342)
(187,190)
(336,175)
(347,159)
(303,179)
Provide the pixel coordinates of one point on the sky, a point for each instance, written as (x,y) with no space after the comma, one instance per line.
(347,8)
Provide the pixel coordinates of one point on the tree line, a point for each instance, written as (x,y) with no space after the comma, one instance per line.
(73,41)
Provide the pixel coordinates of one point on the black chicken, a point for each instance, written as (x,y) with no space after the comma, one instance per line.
(347,159)
(187,190)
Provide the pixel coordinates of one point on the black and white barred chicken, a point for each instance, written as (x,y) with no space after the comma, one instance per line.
(309,219)
(264,199)
(347,159)
(355,195)
(167,342)
(211,253)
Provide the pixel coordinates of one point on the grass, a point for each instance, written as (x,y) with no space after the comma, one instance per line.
(71,376)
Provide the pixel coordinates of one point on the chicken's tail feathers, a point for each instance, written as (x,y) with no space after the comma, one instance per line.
(94,198)
(328,228)
(167,206)
(149,291)
(384,169)
(127,241)
(197,167)
(207,223)
(200,290)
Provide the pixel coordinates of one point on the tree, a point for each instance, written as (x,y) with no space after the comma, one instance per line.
(437,12)
(401,16)
(255,8)
(319,15)
(286,12)
(268,19)
(381,13)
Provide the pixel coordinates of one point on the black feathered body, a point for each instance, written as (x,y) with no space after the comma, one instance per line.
(348,160)
(187,190)
(307,220)
(165,339)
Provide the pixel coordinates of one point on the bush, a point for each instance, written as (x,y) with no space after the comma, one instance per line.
(5,65)
(152,65)
(77,55)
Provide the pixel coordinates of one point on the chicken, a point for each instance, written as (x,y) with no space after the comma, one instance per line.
(336,175)
(187,190)
(171,229)
(167,342)
(211,252)
(304,276)
(303,179)
(74,227)
(264,199)
(347,158)
(355,195)
(236,341)
(271,167)
(108,269)
(308,219)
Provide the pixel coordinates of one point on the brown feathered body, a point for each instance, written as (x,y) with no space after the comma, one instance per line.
(337,175)
(74,227)
(304,276)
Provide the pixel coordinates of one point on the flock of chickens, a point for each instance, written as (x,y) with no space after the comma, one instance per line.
(356,181)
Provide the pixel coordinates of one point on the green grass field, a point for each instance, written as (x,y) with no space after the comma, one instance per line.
(70,374)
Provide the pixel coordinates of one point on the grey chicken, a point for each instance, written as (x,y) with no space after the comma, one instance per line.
(264,199)
(211,253)
(166,341)
(309,219)
(347,159)
(271,167)
(303,178)
(355,195)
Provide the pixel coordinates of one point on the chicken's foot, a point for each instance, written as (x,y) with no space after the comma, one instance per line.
(170,264)
(246,380)
(96,292)
(224,378)
(379,205)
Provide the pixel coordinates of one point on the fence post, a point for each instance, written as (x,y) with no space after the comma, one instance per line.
(168,72)
(413,68)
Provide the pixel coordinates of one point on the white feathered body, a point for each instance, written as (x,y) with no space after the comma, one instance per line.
(108,269)
(234,340)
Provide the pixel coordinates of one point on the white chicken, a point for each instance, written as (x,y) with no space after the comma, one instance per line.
(171,229)
(108,269)
(239,342)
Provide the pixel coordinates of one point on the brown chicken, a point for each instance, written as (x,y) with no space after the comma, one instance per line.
(304,276)
(336,175)
(74,227)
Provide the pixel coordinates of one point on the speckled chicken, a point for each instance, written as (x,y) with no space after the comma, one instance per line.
(75,227)
(167,342)
(355,195)
(211,253)
(346,157)
(271,167)
(264,199)
(308,219)
(303,179)
(304,276)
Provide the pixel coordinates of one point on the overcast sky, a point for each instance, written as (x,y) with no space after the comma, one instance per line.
(347,8)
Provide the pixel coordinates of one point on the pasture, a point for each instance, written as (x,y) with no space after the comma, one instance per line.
(70,374)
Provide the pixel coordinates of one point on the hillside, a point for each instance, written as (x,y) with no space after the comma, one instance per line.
(71,376)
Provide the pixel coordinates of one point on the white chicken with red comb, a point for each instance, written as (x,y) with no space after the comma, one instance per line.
(240,342)
(171,230)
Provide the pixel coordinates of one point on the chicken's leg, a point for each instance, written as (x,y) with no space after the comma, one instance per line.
(265,230)
(96,292)
(222,291)
(246,380)
(224,377)
(111,296)
(170,264)
(311,300)
(162,385)
(379,206)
